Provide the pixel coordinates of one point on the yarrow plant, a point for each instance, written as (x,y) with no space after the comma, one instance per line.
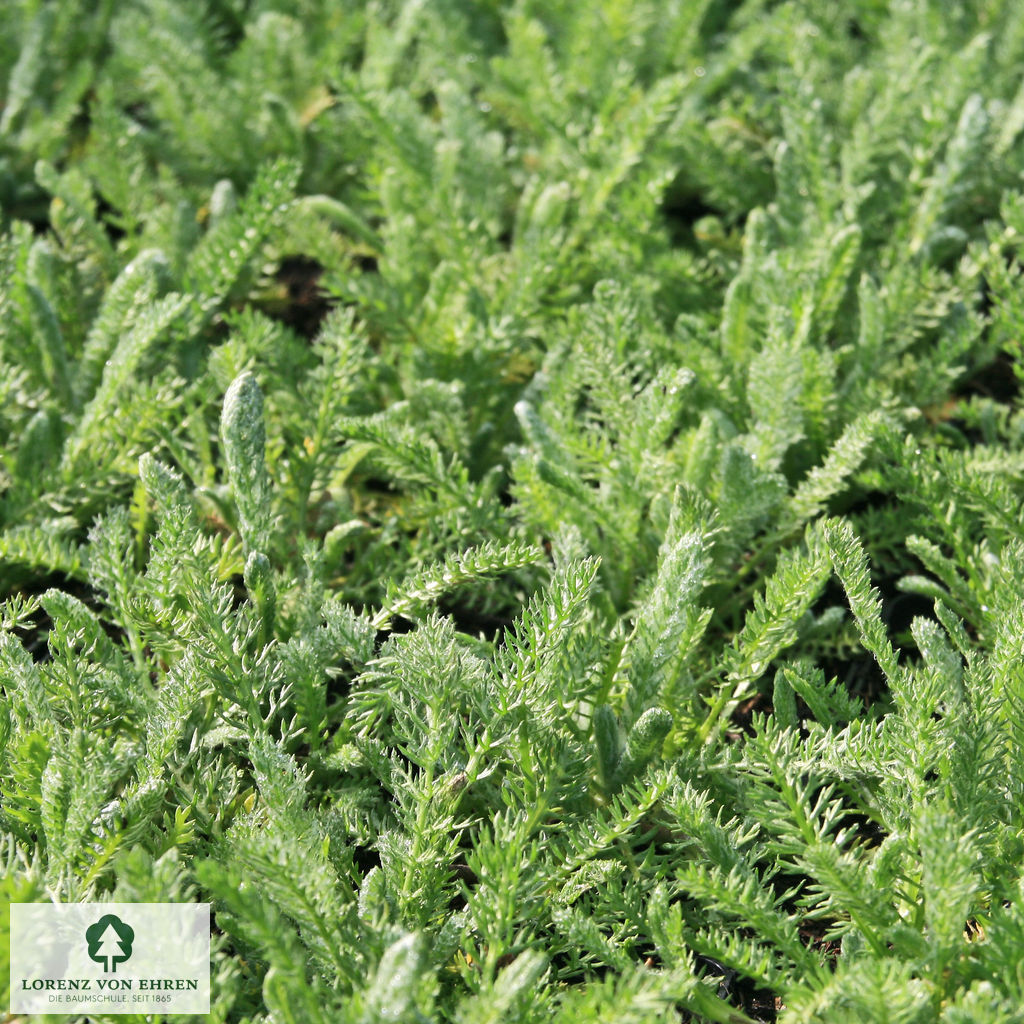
(517,505)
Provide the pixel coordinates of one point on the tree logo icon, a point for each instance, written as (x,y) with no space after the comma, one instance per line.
(110,942)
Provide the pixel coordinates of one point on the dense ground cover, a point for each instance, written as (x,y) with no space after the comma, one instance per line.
(518,504)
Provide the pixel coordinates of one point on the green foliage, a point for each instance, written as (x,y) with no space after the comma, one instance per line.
(517,504)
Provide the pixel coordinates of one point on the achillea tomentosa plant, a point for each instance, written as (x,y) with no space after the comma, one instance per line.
(518,505)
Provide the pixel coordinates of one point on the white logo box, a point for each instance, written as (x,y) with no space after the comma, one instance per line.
(110,958)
